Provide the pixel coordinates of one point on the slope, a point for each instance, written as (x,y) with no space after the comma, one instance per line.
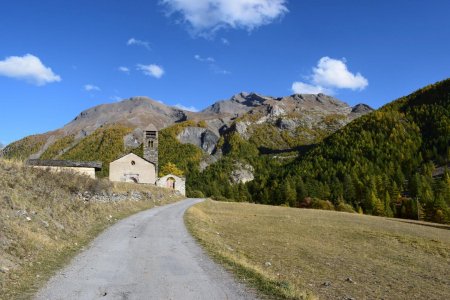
(381,163)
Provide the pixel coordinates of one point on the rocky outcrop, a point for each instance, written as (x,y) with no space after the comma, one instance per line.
(237,105)
(242,173)
(200,137)
(287,124)
(133,139)
(361,109)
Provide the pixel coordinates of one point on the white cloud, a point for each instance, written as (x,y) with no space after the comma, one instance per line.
(116,98)
(334,73)
(328,75)
(28,68)
(151,70)
(204,17)
(188,108)
(204,59)
(123,69)
(136,42)
(91,88)
(299,87)
(213,66)
(225,41)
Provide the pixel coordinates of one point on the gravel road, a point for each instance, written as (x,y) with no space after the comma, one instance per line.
(149,255)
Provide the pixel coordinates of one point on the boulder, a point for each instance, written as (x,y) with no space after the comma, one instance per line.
(242,173)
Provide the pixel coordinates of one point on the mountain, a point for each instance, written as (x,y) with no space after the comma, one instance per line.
(133,112)
(136,113)
(298,150)
(390,162)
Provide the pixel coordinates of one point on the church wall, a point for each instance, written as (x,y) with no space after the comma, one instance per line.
(123,170)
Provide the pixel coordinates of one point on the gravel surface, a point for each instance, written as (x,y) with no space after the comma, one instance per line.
(149,255)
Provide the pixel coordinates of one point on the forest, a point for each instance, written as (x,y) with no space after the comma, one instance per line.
(392,162)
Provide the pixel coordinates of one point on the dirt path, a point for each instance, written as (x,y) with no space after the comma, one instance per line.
(149,255)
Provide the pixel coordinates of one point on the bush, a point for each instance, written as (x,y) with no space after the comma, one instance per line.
(221,198)
(322,204)
(195,194)
(345,207)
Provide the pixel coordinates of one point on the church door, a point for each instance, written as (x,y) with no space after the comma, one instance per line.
(170,183)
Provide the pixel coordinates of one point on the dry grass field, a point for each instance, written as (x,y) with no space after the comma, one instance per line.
(304,253)
(46,218)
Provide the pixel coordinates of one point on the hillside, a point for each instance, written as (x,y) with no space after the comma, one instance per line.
(107,131)
(46,218)
(312,254)
(381,163)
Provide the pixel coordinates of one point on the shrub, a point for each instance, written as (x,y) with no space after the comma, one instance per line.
(195,194)
(322,204)
(345,207)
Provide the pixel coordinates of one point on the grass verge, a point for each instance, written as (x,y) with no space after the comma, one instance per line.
(302,253)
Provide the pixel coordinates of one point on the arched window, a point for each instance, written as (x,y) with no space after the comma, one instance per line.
(150,144)
(133,162)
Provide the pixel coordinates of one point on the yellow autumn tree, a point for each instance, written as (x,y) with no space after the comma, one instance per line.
(170,168)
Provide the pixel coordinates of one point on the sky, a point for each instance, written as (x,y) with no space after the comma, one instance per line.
(58,58)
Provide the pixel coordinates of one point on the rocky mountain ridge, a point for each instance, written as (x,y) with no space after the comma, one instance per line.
(245,113)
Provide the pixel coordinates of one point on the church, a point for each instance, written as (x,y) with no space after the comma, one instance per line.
(133,168)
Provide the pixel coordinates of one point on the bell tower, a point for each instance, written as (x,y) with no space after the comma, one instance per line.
(151,145)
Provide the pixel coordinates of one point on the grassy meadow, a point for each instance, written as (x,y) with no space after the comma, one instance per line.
(308,254)
(47,218)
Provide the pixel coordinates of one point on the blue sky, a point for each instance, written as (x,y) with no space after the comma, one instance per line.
(58,58)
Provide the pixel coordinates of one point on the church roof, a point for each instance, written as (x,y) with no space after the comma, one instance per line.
(135,156)
(97,165)
(151,127)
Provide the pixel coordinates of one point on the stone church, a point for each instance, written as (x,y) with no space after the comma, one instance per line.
(133,168)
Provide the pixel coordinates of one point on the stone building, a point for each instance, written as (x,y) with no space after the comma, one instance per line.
(80,167)
(132,168)
(172,182)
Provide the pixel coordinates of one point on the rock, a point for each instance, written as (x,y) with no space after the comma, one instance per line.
(241,128)
(267,264)
(58,225)
(134,139)
(287,124)
(200,137)
(242,173)
(21,213)
(326,283)
(276,111)
(348,279)
(4,269)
